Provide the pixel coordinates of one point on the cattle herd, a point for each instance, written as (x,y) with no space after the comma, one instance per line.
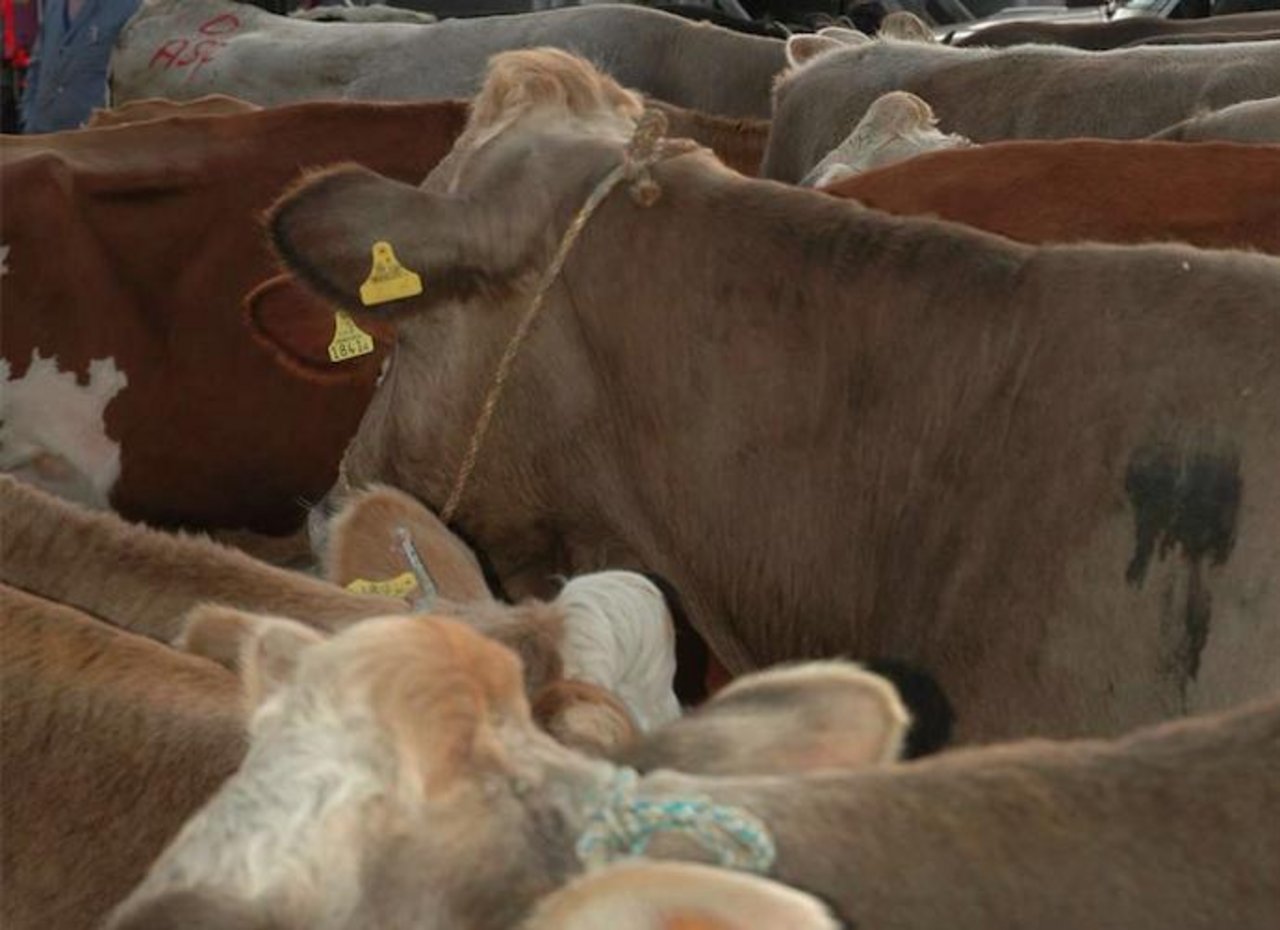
(578,470)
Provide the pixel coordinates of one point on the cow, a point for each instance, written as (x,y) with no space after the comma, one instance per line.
(1213,195)
(111,741)
(1252,121)
(898,126)
(187,48)
(834,431)
(612,630)
(437,804)
(132,385)
(1121,32)
(649,895)
(987,95)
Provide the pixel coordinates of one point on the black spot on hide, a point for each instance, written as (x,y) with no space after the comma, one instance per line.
(1188,501)
(932,716)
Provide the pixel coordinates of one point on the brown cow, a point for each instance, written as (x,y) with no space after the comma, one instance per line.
(1214,195)
(436,804)
(110,742)
(609,629)
(835,431)
(133,381)
(1103,36)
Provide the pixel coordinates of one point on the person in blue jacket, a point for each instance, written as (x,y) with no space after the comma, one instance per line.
(68,73)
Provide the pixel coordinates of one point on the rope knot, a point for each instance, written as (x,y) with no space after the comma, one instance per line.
(623,825)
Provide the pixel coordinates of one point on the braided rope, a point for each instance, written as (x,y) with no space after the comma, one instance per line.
(623,826)
(646,148)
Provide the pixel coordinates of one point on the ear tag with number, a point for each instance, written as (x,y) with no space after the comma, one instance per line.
(400,586)
(388,280)
(349,340)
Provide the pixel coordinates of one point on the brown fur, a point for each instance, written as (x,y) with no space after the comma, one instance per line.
(109,743)
(585,717)
(363,544)
(739,143)
(212,434)
(144,580)
(1217,196)
(520,82)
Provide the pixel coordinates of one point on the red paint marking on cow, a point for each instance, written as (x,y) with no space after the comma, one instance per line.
(183,53)
(168,53)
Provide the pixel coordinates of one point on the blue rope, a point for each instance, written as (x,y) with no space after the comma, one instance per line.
(623,826)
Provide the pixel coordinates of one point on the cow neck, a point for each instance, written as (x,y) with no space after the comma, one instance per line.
(645,149)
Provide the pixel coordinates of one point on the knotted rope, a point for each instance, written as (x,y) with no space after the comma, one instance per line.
(646,148)
(623,825)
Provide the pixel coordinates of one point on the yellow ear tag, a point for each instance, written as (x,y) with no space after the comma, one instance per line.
(349,340)
(388,280)
(399,586)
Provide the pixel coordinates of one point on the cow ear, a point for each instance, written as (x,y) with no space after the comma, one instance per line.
(263,650)
(364,544)
(192,910)
(640,895)
(804,48)
(844,35)
(821,715)
(907,27)
(309,336)
(379,249)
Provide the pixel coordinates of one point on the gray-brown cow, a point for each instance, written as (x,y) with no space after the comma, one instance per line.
(1027,92)
(1044,474)
(186,48)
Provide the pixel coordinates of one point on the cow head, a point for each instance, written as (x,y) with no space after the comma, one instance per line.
(395,779)
(479,235)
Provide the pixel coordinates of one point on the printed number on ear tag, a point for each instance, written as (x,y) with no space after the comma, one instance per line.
(399,586)
(349,340)
(388,280)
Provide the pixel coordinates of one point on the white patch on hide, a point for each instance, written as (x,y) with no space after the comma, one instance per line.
(52,432)
(4,260)
(619,635)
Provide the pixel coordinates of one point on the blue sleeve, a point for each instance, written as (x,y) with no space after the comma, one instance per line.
(28,101)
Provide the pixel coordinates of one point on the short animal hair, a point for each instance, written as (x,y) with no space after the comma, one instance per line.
(519,82)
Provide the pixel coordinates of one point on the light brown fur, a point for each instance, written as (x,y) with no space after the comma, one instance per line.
(363,544)
(144,580)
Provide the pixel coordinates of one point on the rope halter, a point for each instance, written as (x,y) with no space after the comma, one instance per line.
(623,825)
(645,149)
